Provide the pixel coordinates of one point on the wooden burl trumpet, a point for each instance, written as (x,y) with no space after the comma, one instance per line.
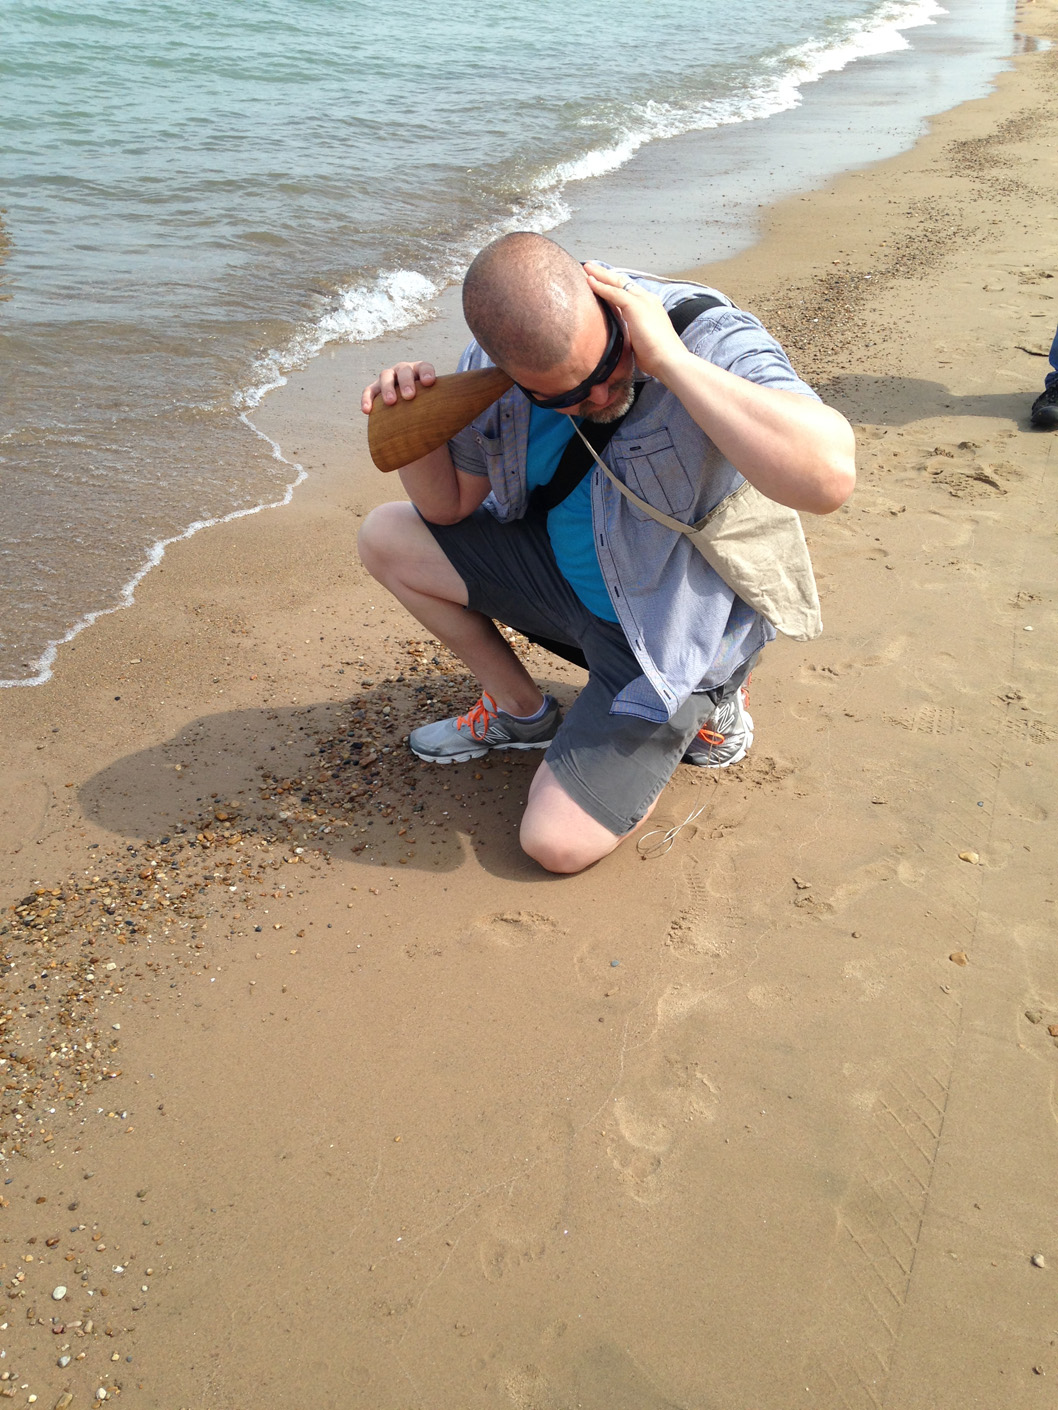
(408,430)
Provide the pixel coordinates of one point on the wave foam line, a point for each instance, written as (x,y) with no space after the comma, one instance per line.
(805,63)
(44,663)
(396,299)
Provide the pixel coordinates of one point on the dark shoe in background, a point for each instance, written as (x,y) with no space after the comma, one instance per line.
(1045,409)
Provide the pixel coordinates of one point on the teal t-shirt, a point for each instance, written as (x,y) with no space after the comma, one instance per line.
(569,525)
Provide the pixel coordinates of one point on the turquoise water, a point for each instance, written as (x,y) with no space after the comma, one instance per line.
(199,196)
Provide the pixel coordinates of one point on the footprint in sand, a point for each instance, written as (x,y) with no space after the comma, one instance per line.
(511,930)
(499,1257)
(529,1389)
(650,1120)
(666,1091)
(837,672)
(703,922)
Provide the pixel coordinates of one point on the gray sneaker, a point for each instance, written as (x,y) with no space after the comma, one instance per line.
(725,737)
(482,728)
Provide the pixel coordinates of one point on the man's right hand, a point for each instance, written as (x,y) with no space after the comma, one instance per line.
(401,380)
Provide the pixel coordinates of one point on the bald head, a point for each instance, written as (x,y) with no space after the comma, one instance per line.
(524,298)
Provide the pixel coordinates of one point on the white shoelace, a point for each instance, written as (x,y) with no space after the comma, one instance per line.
(667,838)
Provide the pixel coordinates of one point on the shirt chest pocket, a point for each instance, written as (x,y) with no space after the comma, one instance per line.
(651,467)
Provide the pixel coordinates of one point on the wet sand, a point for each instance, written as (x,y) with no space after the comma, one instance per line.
(376,1114)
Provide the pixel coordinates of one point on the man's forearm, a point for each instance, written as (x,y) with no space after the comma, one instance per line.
(792,448)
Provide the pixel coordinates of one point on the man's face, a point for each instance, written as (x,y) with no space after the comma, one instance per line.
(605,401)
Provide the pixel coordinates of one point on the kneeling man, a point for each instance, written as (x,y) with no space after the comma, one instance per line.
(489,537)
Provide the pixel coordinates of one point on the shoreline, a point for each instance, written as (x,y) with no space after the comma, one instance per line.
(496,1151)
(738,169)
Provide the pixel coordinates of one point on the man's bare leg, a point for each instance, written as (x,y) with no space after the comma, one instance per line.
(558,833)
(399,551)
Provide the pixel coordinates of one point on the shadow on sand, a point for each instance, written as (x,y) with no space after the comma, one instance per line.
(335,776)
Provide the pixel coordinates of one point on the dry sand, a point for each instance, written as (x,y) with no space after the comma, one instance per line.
(377,1115)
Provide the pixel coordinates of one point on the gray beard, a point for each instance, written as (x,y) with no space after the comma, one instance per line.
(605,414)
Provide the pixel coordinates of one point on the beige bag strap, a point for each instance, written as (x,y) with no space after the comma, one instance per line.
(662,518)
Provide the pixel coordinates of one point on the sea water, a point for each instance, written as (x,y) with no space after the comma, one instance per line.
(198,196)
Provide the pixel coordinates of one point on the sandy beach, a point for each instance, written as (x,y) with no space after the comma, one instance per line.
(319,1093)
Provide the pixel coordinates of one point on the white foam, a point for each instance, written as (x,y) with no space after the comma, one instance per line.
(776,91)
(394,298)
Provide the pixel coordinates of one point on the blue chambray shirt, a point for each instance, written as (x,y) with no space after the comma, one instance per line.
(688,630)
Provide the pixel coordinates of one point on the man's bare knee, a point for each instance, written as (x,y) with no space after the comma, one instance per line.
(381,535)
(559,834)
(556,850)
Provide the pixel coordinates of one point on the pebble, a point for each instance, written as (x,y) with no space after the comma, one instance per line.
(1034,1015)
(972,857)
(958,957)
(64,1361)
(59,1293)
(1038,1261)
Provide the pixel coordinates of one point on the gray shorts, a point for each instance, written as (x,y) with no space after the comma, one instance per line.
(613,766)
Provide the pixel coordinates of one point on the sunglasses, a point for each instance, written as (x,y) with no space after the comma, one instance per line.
(615,346)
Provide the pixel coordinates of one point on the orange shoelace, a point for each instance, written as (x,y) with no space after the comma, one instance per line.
(710,736)
(478,718)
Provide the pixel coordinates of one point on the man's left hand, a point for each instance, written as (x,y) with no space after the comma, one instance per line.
(655,342)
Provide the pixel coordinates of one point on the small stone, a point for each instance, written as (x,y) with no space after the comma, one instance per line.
(801,884)
(64,1401)
(1034,1015)
(101,1393)
(63,1361)
(972,857)
(1052,1029)
(1038,1261)
(59,1293)
(958,957)
(1038,1371)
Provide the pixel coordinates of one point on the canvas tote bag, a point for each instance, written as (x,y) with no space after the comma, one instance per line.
(757,546)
